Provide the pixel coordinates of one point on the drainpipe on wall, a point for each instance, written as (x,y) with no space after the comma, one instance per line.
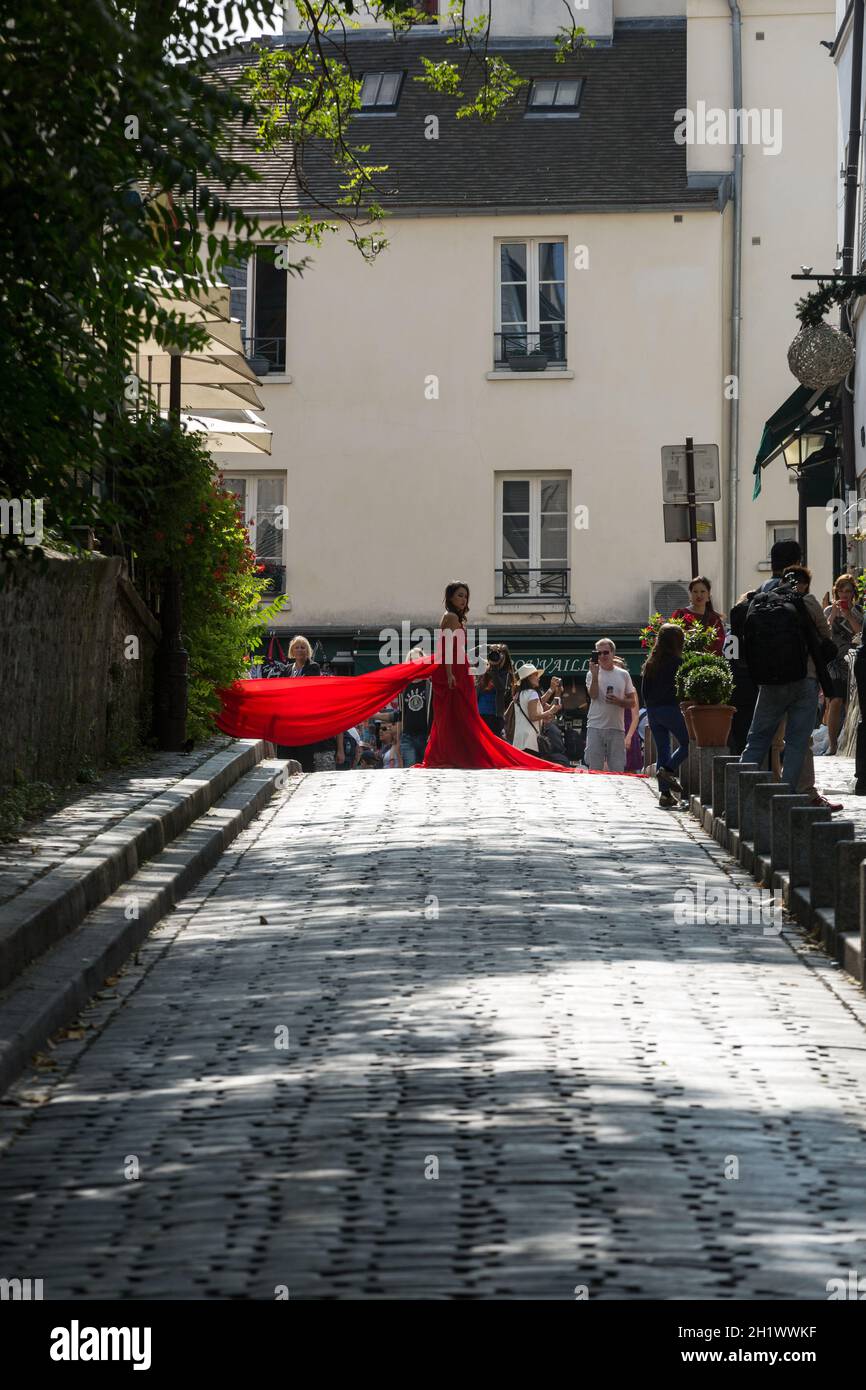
(736,305)
(849,446)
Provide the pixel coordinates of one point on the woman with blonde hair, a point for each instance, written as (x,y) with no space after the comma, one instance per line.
(301,657)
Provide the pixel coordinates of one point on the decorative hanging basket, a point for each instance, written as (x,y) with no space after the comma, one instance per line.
(820,355)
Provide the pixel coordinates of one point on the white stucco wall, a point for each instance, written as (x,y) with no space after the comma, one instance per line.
(789,207)
(392,494)
(514,18)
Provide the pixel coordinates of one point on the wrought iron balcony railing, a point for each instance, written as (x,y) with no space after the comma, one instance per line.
(518,351)
(269,354)
(518,581)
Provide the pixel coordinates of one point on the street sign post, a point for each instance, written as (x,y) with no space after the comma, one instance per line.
(690,475)
(675,479)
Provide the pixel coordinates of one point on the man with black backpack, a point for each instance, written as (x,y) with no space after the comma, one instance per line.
(783,637)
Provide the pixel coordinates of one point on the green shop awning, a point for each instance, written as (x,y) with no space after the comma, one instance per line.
(560,655)
(781,427)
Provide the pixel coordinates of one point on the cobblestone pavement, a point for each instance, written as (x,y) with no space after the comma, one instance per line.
(45,844)
(510,1070)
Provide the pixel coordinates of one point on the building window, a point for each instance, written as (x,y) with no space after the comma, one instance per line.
(552,96)
(532,536)
(258,302)
(530,305)
(427,11)
(262,500)
(779,531)
(380,91)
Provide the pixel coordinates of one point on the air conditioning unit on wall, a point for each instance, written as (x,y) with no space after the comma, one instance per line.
(667,595)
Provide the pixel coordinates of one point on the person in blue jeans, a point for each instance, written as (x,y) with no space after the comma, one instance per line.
(663,712)
(794,701)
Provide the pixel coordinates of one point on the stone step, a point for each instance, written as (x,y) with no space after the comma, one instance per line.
(49,994)
(57,903)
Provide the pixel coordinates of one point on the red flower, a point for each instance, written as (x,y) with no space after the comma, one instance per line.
(159,535)
(189,540)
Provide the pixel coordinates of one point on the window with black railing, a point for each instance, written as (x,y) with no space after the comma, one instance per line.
(261,499)
(530,310)
(533,537)
(259,303)
(265,353)
(520,581)
(519,350)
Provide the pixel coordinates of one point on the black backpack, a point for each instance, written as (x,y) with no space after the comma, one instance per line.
(771,635)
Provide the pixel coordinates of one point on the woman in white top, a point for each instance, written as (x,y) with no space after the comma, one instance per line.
(532,710)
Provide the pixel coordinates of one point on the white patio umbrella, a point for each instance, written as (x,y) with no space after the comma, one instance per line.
(244,433)
(217,376)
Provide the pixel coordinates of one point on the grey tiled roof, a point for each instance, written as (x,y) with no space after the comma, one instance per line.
(618,153)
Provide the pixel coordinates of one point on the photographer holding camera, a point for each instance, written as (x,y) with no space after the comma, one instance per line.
(494,688)
(610,693)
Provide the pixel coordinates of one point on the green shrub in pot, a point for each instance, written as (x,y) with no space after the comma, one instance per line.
(692,661)
(709,684)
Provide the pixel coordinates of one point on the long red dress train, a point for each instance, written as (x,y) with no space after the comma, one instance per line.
(297,712)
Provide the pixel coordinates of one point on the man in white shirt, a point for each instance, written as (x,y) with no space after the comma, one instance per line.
(610,692)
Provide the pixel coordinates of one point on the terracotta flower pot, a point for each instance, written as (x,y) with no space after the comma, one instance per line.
(686,707)
(712,724)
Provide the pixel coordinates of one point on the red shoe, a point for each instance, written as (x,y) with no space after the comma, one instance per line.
(819,800)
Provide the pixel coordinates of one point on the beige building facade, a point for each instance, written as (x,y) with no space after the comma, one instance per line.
(411,448)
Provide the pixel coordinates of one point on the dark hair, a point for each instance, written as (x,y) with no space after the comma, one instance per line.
(783,554)
(450,591)
(796,573)
(668,647)
(709,611)
(485,680)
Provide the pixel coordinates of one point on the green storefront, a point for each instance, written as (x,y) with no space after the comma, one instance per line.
(564,654)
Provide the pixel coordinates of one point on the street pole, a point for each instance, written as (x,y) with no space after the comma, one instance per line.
(171,685)
(849,448)
(693,515)
(802,518)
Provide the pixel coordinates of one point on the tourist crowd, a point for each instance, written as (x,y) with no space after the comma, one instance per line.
(790,665)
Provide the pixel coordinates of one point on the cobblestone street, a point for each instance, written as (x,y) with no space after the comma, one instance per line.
(441,1035)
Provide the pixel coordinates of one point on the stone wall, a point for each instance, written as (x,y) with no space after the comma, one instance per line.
(75,691)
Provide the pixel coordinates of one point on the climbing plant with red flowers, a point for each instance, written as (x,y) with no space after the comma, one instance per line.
(181,517)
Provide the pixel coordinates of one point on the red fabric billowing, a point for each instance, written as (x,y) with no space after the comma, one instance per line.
(298,711)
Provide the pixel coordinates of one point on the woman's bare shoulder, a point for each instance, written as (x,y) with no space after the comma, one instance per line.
(450,620)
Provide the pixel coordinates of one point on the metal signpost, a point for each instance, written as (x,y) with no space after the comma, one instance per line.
(690,477)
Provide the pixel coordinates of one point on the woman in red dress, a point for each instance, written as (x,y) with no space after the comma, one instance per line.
(701,608)
(460,737)
(299,712)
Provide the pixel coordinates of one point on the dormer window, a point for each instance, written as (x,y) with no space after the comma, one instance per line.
(380,91)
(552,96)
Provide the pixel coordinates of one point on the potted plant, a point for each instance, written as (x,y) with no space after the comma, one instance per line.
(689,663)
(707,687)
(260,364)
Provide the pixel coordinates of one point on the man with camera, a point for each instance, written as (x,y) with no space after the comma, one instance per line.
(611,691)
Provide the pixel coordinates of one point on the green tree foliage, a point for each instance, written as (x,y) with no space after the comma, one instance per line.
(184,519)
(114,139)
